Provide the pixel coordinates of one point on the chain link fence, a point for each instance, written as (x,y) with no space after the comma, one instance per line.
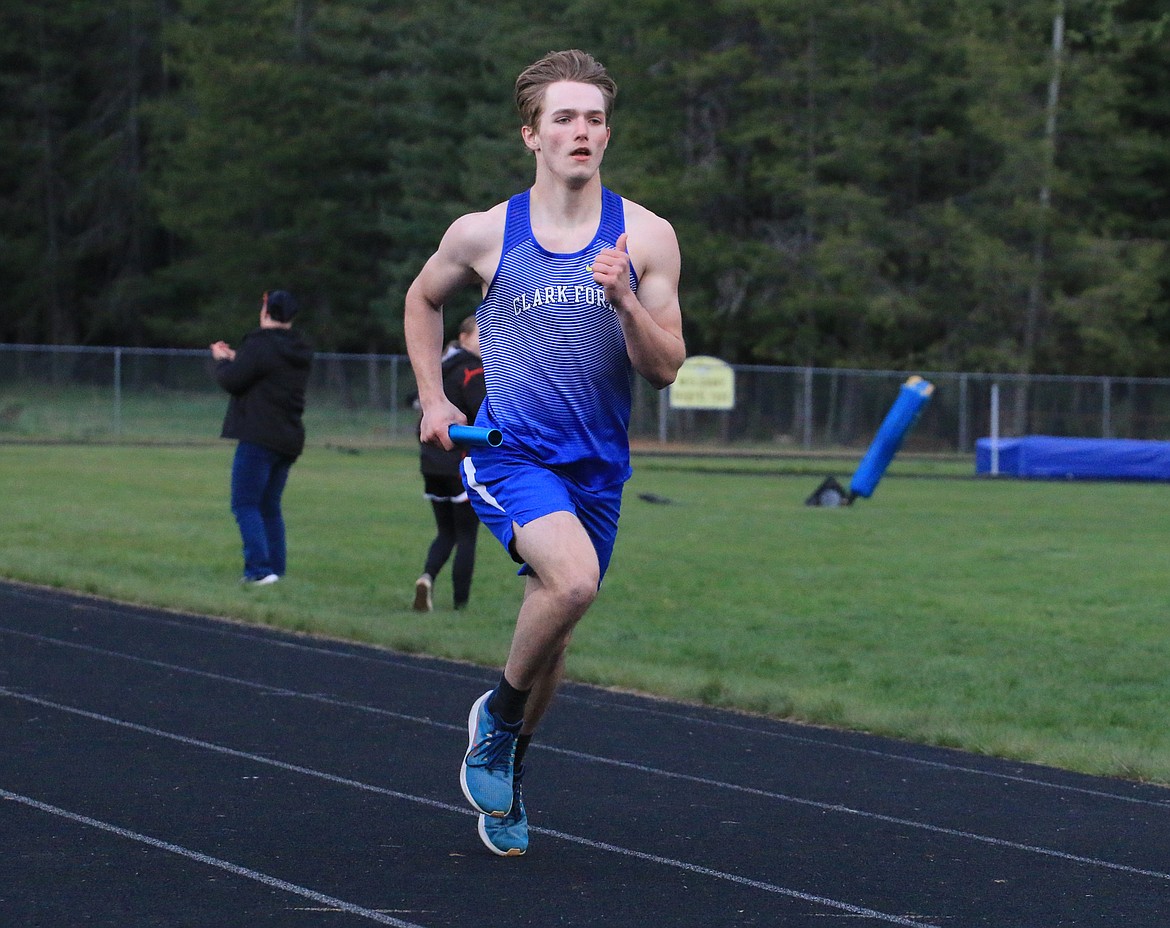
(170,395)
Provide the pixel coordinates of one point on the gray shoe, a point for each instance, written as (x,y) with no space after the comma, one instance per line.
(266,580)
(422,594)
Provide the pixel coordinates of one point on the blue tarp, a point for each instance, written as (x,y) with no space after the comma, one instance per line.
(1047,458)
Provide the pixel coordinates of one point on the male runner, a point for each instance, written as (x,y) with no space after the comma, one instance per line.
(580,290)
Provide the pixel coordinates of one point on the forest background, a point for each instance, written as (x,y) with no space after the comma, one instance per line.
(980,185)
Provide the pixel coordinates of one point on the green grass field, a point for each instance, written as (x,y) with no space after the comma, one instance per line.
(157,416)
(1021,619)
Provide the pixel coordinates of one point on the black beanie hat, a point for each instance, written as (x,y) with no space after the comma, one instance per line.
(281,305)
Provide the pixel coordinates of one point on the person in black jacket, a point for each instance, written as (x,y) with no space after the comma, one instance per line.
(266,378)
(455,519)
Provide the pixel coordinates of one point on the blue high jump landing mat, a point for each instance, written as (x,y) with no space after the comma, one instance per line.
(1045,457)
(912,396)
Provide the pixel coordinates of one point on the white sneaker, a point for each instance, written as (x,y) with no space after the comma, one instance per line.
(422,594)
(266,580)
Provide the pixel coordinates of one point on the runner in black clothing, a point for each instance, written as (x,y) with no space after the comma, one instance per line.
(455,519)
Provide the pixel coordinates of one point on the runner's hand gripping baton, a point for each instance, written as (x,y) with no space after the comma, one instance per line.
(473,436)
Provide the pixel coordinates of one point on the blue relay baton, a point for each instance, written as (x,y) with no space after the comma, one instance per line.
(474,435)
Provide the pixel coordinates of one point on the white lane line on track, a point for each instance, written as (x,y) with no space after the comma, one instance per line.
(696,869)
(333,903)
(594,758)
(447,807)
(229,629)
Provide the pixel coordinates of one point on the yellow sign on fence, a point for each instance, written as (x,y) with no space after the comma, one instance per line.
(703,382)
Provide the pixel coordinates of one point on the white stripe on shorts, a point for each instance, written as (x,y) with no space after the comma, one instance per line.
(478,488)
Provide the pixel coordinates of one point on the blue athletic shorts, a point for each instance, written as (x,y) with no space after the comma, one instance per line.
(505,487)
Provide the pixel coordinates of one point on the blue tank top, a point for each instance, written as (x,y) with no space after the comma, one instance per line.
(559,379)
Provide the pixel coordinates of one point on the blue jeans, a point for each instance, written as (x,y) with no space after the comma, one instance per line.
(258,478)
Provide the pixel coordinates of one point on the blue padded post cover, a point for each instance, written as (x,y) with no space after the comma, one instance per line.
(902,415)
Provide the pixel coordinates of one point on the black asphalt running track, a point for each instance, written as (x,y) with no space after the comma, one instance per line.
(172,770)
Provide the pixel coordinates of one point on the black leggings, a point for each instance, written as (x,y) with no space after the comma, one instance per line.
(458,525)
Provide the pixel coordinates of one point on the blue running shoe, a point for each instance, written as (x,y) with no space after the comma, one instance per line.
(508,836)
(486,773)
